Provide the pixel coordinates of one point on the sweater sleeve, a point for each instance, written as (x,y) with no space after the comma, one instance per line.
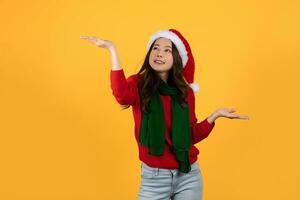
(199,130)
(124,90)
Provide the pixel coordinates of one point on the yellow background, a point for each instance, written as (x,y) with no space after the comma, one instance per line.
(64,136)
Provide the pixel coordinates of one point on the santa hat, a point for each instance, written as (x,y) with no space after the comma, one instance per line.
(185,53)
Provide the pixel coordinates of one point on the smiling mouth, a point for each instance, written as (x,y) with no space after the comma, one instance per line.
(159,62)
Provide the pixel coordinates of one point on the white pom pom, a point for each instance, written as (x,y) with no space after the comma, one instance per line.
(195,87)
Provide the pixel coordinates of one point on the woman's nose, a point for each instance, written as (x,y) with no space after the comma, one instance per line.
(159,54)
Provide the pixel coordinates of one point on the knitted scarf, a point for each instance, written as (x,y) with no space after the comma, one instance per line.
(152,131)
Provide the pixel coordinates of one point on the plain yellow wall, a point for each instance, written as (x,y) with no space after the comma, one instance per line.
(64,136)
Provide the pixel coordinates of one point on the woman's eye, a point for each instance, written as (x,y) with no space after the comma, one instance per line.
(168,50)
(154,48)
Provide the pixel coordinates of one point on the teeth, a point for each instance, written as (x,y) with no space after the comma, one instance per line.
(160,62)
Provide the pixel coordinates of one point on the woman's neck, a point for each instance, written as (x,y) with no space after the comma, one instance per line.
(163,76)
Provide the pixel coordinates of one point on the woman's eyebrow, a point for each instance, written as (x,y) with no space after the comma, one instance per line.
(165,46)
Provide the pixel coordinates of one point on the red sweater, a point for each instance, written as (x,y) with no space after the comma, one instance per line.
(125,91)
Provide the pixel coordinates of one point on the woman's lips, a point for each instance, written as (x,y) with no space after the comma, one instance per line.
(159,62)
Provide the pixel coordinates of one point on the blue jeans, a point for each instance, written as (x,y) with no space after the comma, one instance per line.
(166,184)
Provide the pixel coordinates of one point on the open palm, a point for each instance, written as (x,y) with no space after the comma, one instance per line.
(229,113)
(98,42)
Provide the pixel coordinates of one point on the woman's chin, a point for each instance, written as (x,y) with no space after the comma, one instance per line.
(158,70)
(161,68)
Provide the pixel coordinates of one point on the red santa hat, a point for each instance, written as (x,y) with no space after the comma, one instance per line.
(184,50)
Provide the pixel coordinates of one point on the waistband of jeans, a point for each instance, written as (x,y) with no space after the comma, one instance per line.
(195,165)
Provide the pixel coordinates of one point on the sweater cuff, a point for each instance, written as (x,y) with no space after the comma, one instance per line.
(208,125)
(118,80)
(116,70)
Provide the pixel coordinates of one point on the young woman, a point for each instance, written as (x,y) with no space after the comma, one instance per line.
(163,103)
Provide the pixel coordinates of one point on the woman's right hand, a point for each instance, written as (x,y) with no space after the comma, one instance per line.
(99,42)
(107,45)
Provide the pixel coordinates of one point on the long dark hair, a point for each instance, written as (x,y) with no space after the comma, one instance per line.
(149,81)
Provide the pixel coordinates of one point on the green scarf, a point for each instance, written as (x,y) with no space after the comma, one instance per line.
(152,131)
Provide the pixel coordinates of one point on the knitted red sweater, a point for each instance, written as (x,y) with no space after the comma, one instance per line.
(125,91)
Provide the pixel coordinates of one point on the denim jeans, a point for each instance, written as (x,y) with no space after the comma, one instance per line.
(166,184)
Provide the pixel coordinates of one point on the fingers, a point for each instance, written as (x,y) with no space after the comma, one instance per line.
(240,117)
(87,37)
(237,116)
(245,117)
(91,38)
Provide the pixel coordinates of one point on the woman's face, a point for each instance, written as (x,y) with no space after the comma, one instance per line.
(161,58)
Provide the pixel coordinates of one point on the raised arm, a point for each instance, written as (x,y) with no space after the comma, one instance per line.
(124,90)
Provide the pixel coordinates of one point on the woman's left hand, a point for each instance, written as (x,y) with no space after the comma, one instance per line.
(228,113)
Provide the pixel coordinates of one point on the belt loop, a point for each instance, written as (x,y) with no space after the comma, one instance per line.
(156,171)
